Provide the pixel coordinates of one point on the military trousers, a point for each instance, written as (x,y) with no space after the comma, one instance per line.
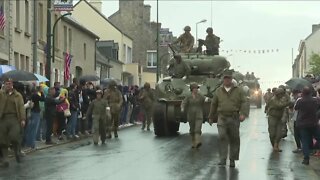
(10,130)
(275,126)
(148,117)
(99,128)
(114,123)
(229,137)
(195,125)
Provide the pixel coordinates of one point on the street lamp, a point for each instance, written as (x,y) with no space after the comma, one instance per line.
(202,21)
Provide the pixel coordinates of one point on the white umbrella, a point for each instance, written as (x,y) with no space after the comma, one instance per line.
(41,78)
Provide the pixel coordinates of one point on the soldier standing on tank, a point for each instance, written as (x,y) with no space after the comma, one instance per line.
(114,97)
(276,108)
(178,68)
(230,104)
(98,108)
(147,99)
(12,119)
(212,42)
(185,40)
(193,105)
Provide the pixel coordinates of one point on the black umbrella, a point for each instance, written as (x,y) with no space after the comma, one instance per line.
(19,75)
(298,83)
(89,78)
(105,82)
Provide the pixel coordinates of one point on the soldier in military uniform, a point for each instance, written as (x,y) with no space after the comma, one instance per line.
(12,119)
(185,40)
(193,105)
(229,103)
(276,108)
(98,108)
(147,99)
(212,43)
(178,68)
(114,97)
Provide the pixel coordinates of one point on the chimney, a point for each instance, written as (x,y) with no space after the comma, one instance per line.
(146,13)
(97,4)
(315,27)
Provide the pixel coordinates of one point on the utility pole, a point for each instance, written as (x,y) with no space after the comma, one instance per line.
(35,36)
(158,60)
(48,46)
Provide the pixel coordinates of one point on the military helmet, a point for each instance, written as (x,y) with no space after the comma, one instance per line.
(209,30)
(269,90)
(112,83)
(146,85)
(194,85)
(99,92)
(187,28)
(279,91)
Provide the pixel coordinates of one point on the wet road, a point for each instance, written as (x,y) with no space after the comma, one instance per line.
(141,155)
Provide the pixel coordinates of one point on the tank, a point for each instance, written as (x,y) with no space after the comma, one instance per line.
(206,71)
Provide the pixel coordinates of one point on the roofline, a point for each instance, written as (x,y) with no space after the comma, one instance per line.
(103,16)
(77,25)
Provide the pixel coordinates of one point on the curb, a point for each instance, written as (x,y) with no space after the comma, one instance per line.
(70,141)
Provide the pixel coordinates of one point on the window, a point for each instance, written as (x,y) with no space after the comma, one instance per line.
(70,40)
(56,75)
(65,38)
(41,69)
(26,7)
(40,21)
(152,59)
(124,53)
(2,21)
(22,62)
(27,63)
(16,60)
(85,51)
(18,14)
(129,55)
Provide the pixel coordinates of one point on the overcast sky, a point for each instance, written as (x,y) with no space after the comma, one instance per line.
(243,25)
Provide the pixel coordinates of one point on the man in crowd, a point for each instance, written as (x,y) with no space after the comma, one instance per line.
(185,40)
(212,43)
(229,103)
(12,119)
(147,99)
(276,108)
(307,122)
(178,68)
(114,98)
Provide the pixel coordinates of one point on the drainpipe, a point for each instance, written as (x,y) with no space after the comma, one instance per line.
(35,37)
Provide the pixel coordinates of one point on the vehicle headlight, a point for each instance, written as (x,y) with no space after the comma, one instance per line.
(256,92)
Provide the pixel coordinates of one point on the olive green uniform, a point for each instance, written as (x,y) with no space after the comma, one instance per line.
(193,105)
(98,109)
(186,42)
(276,108)
(12,112)
(179,70)
(147,100)
(228,106)
(212,44)
(114,97)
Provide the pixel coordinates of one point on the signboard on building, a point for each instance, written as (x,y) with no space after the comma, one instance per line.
(63,5)
(165,37)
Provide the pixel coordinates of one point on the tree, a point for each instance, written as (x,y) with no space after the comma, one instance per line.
(315,64)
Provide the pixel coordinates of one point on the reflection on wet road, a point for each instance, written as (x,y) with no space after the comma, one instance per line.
(141,155)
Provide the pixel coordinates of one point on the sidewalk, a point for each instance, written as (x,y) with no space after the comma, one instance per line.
(41,145)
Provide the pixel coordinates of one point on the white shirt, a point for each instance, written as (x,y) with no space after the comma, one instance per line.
(227,88)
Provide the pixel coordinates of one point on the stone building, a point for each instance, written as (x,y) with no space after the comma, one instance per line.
(89,14)
(4,35)
(133,17)
(309,45)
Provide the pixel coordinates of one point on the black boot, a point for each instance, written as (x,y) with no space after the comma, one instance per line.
(305,161)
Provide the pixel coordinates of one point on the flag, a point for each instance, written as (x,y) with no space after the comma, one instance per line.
(67,63)
(2,19)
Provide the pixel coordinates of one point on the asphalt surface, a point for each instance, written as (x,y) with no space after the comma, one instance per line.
(140,155)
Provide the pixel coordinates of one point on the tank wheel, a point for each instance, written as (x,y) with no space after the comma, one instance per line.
(159,118)
(173,127)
